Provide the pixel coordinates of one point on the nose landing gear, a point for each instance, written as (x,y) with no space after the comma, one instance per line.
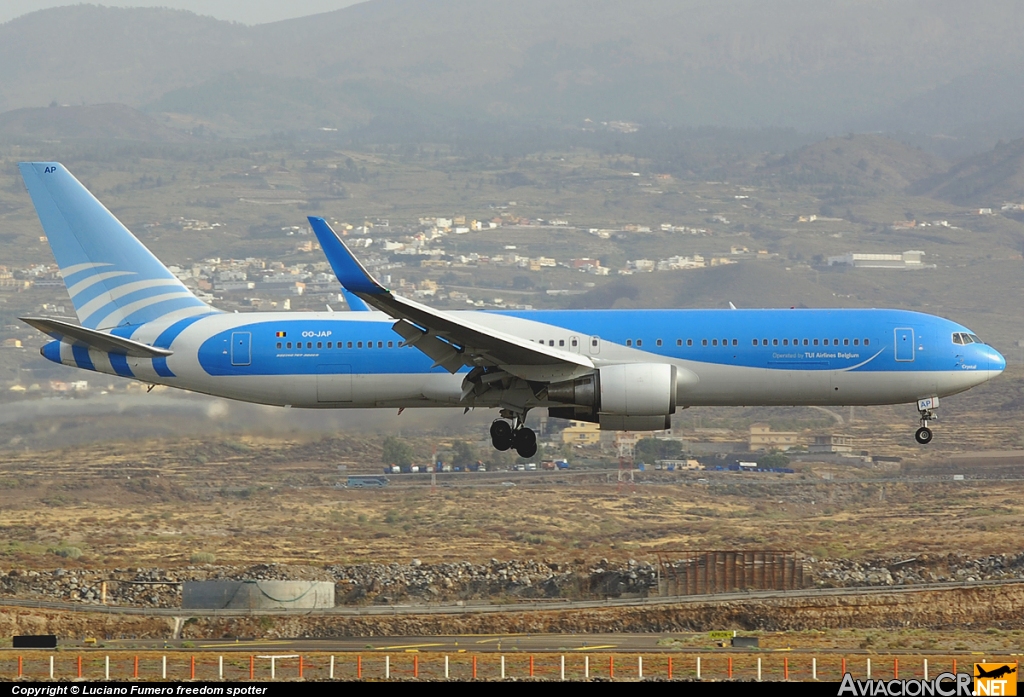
(515,436)
(924,407)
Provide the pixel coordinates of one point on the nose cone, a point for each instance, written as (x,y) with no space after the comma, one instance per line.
(996,361)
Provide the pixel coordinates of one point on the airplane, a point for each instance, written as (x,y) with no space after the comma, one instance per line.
(995,672)
(622,369)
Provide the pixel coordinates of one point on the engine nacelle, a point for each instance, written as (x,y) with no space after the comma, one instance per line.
(637,389)
(630,396)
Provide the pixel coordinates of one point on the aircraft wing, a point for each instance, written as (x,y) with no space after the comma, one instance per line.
(91,338)
(451,341)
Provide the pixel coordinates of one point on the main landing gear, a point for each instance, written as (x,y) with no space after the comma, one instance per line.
(924,407)
(515,436)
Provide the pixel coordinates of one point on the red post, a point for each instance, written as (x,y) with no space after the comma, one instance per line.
(669,667)
(474,667)
(415,665)
(359,667)
(844,666)
(895,669)
(135,674)
(192,669)
(80,666)
(611,666)
(252,667)
(785,668)
(19,666)
(531,665)
(730,667)
(954,666)
(300,665)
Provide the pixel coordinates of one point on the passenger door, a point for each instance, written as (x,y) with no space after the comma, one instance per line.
(241,348)
(904,344)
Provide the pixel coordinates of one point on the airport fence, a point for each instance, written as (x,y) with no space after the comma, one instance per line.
(320,666)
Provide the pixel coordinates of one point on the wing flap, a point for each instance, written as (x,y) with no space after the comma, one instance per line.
(91,338)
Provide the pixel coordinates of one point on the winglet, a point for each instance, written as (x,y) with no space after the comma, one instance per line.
(351,274)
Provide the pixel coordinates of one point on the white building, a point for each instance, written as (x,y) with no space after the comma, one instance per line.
(910,259)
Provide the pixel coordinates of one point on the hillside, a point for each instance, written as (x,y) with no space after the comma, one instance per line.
(858,164)
(94,122)
(985,180)
(798,63)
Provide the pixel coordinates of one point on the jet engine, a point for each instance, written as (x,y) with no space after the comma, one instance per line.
(630,396)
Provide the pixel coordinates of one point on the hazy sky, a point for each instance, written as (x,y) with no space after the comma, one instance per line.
(246,11)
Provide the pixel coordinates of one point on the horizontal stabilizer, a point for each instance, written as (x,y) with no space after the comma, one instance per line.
(90,338)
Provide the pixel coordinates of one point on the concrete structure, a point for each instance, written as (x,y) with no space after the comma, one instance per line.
(763,438)
(834,443)
(256,595)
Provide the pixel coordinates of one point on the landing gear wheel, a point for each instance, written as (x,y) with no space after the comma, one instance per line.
(525,442)
(923,435)
(501,435)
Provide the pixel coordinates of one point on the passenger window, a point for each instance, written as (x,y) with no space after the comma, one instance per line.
(658,342)
(289,344)
(309,344)
(775,342)
(703,342)
(359,344)
(279,344)
(639,342)
(319,344)
(755,342)
(689,342)
(714,342)
(350,344)
(561,342)
(846,342)
(735,342)
(856,342)
(330,344)
(866,342)
(391,344)
(785,342)
(629,342)
(835,342)
(825,341)
(815,342)
(764,342)
(551,342)
(380,344)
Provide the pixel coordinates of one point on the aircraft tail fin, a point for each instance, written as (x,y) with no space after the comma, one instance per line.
(113,280)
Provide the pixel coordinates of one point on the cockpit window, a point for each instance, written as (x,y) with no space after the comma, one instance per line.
(963,338)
